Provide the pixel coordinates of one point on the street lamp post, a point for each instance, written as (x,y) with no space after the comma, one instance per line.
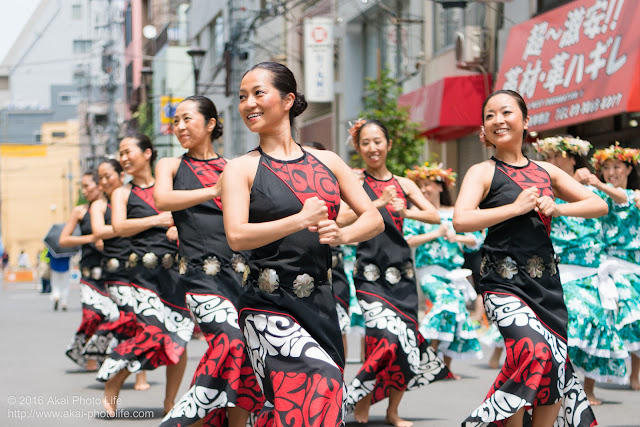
(197,56)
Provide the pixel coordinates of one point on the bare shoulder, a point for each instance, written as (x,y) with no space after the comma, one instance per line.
(329,158)
(99,205)
(483,170)
(80,210)
(245,165)
(121,192)
(405,183)
(169,162)
(548,167)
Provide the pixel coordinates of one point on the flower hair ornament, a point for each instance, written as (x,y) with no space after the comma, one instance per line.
(615,152)
(562,144)
(354,130)
(433,172)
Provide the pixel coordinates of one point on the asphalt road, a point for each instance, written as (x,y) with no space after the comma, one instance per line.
(39,385)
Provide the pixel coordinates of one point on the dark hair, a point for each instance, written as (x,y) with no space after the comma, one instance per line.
(144,143)
(93,174)
(515,95)
(581,161)
(633,181)
(283,79)
(315,144)
(207,108)
(114,164)
(445,195)
(371,122)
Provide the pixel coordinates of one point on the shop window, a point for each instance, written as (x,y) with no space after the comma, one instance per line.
(447,22)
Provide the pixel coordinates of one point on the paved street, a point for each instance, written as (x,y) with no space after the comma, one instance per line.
(40,386)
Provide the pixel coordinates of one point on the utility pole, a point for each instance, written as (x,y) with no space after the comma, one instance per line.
(398,58)
(109,65)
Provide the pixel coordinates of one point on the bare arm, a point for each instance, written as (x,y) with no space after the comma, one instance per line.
(125,227)
(475,186)
(425,211)
(98,227)
(243,235)
(168,199)
(66,238)
(584,176)
(421,239)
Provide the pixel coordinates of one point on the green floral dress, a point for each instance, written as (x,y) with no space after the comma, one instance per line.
(595,347)
(448,319)
(349,259)
(622,241)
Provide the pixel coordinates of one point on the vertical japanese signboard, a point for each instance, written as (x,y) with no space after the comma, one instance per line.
(576,63)
(318,59)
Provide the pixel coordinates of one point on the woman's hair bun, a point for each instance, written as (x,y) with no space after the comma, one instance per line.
(299,105)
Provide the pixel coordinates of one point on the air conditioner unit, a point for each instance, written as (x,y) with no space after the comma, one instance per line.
(470,46)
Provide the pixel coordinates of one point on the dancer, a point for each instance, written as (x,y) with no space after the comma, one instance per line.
(164,324)
(97,307)
(116,275)
(397,357)
(616,166)
(595,348)
(224,388)
(513,197)
(280,201)
(439,258)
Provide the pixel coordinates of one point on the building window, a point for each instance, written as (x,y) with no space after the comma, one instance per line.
(127,26)
(547,5)
(129,81)
(82,46)
(447,22)
(68,98)
(76,11)
(58,134)
(218,37)
(37,137)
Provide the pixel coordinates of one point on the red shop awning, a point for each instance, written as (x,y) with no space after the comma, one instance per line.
(576,63)
(449,108)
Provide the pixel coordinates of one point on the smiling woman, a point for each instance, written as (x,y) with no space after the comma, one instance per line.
(514,198)
(281,201)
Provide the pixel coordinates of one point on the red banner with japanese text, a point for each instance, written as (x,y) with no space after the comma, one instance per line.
(576,63)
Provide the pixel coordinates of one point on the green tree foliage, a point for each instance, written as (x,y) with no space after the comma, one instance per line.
(144,115)
(381,103)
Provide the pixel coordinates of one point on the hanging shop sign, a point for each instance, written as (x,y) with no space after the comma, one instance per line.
(576,63)
(318,59)
(168,105)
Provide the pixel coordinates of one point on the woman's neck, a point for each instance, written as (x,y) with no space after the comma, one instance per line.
(144,178)
(512,157)
(381,173)
(280,145)
(203,151)
(435,201)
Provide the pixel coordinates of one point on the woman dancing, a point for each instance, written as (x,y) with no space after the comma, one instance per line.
(224,388)
(397,357)
(617,167)
(164,324)
(595,347)
(439,258)
(513,197)
(116,275)
(97,307)
(281,201)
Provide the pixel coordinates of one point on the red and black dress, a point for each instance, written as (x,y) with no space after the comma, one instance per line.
(287,310)
(164,324)
(341,291)
(523,296)
(116,280)
(396,354)
(211,273)
(97,307)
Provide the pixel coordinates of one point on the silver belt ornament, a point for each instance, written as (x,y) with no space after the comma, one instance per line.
(507,267)
(392,275)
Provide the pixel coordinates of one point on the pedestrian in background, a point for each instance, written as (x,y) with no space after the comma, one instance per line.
(60,279)
(514,198)
(280,202)
(44,271)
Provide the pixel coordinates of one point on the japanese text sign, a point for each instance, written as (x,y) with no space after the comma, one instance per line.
(318,59)
(576,63)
